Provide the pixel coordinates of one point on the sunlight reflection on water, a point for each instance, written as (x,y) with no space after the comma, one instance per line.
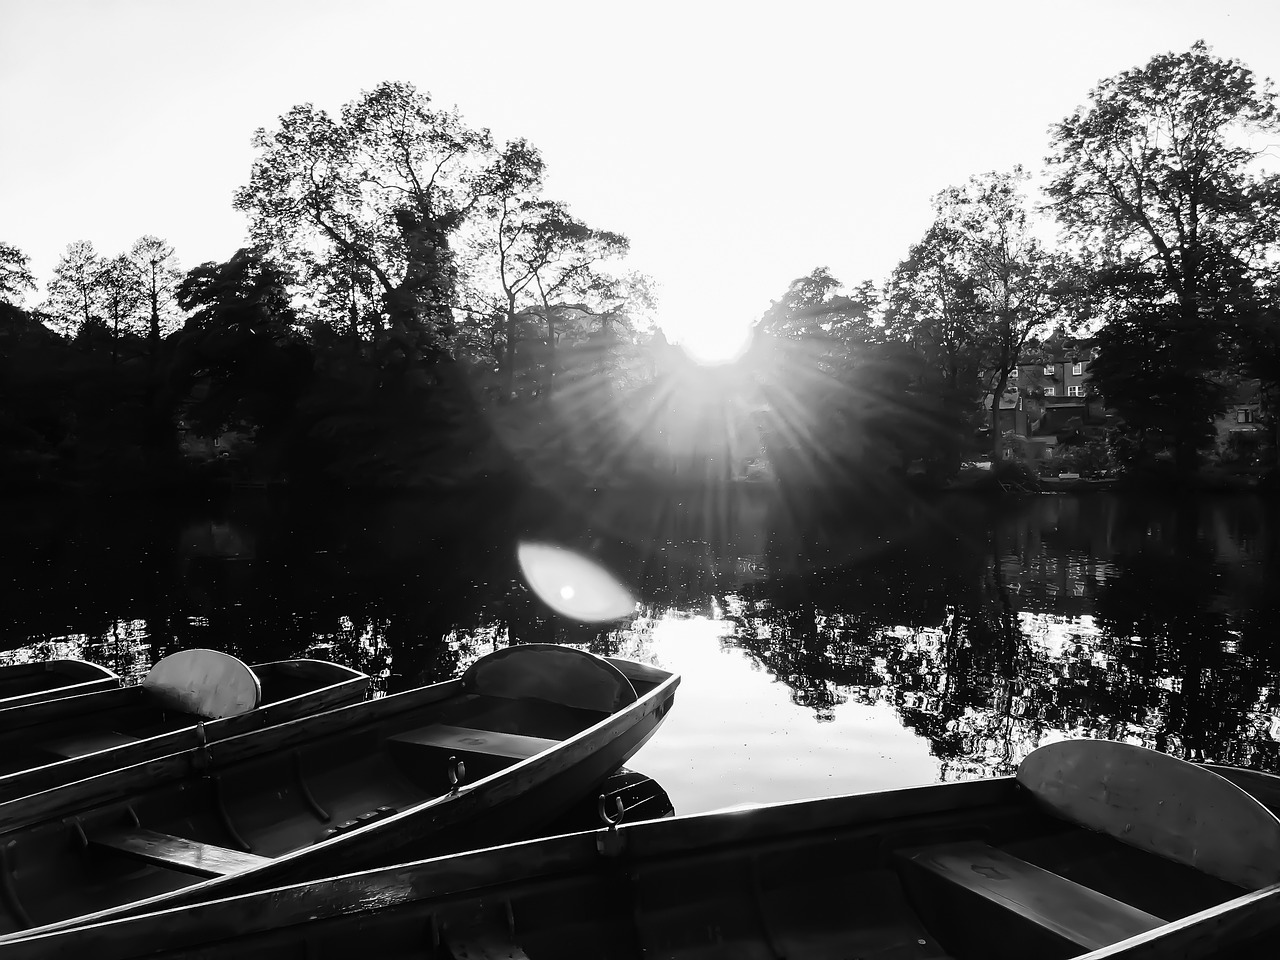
(740,735)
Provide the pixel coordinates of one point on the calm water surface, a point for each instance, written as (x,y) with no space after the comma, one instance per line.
(821,651)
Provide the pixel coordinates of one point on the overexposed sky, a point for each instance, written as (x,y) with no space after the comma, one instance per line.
(738,145)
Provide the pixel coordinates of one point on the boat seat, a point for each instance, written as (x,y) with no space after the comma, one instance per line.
(189,856)
(81,744)
(471,740)
(1059,906)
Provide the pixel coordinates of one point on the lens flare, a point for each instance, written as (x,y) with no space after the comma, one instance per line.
(573,585)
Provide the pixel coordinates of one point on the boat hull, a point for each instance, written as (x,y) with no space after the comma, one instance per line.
(822,878)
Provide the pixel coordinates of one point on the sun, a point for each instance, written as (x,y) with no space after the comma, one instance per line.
(713,345)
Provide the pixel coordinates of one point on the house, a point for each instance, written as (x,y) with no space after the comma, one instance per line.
(1240,427)
(1048,401)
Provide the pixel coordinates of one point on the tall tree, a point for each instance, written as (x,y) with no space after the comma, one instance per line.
(552,269)
(156,278)
(1019,286)
(74,297)
(933,304)
(15,274)
(239,341)
(122,299)
(1156,180)
(386,185)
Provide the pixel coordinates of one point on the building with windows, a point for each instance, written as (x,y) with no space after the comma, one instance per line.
(1242,424)
(1049,401)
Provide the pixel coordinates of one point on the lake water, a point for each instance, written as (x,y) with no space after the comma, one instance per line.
(823,648)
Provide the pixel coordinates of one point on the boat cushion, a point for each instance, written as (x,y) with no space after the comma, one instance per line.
(1160,804)
(204,683)
(547,671)
(189,856)
(1076,913)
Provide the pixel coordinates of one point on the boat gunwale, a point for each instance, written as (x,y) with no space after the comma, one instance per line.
(92,676)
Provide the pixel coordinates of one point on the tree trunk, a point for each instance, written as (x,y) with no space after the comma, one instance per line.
(997,438)
(551,348)
(509,352)
(153,334)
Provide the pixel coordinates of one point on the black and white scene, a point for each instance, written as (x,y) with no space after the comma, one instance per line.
(670,481)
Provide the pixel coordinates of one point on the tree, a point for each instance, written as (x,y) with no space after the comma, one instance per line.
(550,271)
(1155,181)
(239,343)
(1014,287)
(15,274)
(156,275)
(933,305)
(386,186)
(564,258)
(122,298)
(75,298)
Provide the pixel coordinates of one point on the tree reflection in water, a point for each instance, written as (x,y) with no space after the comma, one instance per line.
(1150,622)
(985,627)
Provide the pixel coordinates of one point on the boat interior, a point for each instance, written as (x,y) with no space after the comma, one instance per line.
(54,730)
(28,681)
(297,784)
(986,869)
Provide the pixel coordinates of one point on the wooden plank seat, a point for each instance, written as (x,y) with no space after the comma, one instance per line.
(471,740)
(81,744)
(190,856)
(1060,906)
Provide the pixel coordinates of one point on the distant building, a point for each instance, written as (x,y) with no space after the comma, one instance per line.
(1049,401)
(1241,425)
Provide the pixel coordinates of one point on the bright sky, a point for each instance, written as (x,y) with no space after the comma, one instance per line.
(738,145)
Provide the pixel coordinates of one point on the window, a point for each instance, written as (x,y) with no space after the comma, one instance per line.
(1077,369)
(1075,391)
(1048,369)
(1048,391)
(1244,416)
(217,441)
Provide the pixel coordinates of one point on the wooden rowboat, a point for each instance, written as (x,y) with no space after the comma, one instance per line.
(54,742)
(22,683)
(1095,850)
(487,757)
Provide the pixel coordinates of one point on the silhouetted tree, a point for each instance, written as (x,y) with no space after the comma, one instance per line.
(1155,181)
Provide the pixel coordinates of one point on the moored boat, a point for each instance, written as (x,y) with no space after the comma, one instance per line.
(486,757)
(54,742)
(1095,850)
(23,683)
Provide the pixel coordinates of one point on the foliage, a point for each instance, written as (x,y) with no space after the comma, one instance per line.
(1155,182)
(238,363)
(152,266)
(75,297)
(1019,286)
(15,274)
(384,188)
